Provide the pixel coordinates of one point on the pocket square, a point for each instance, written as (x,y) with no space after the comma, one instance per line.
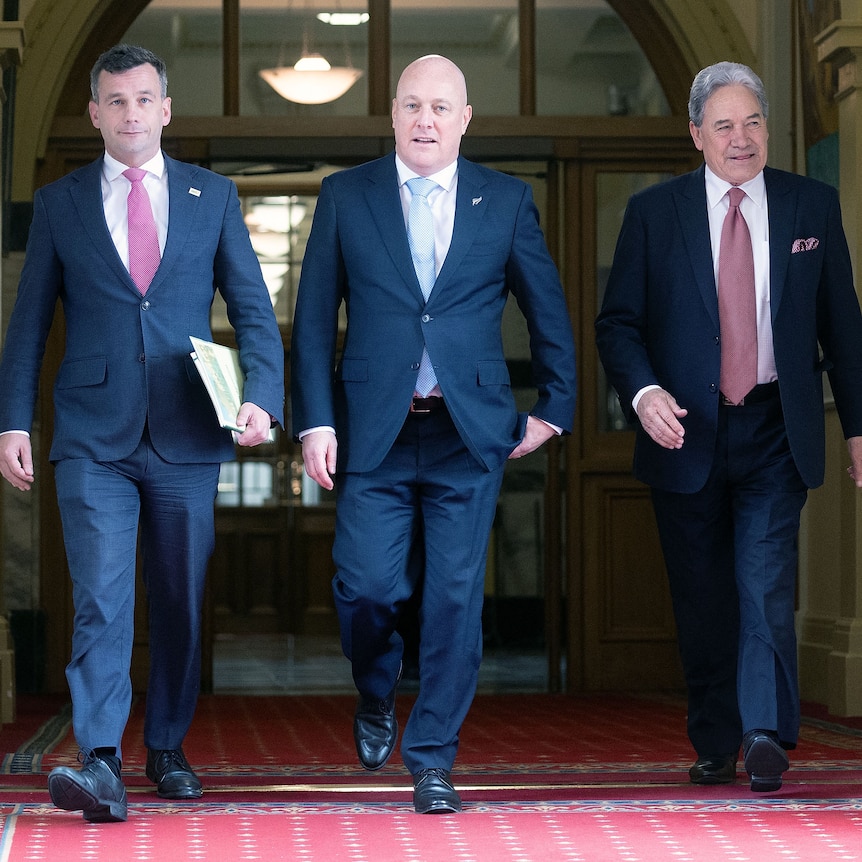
(804,244)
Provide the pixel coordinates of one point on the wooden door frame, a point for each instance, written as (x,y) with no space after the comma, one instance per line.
(566,144)
(591,454)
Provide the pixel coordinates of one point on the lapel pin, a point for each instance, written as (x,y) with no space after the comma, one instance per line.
(477,201)
(195,192)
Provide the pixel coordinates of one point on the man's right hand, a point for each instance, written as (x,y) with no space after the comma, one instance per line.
(16,460)
(659,415)
(318,454)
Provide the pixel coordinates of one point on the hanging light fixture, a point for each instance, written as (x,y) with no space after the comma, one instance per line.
(312,80)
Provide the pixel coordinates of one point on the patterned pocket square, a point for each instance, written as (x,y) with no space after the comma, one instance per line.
(804,244)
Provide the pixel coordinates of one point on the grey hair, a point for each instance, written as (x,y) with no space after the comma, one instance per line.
(122,58)
(723,74)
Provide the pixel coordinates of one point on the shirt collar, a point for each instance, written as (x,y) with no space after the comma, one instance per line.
(716,188)
(443,178)
(113,167)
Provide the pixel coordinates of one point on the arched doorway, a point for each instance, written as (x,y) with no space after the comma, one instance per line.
(583,510)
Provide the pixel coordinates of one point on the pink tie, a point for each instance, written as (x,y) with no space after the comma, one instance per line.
(737,310)
(144,252)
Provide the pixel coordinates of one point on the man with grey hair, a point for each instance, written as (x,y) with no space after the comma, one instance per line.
(731,293)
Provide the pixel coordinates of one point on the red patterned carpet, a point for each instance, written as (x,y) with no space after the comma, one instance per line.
(543,777)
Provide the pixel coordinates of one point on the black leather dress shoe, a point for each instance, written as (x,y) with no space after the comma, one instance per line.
(375,729)
(93,789)
(713,769)
(765,760)
(170,771)
(433,793)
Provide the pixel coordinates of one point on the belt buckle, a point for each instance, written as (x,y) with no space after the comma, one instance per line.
(420,411)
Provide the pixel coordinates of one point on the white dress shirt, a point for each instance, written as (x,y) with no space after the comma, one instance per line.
(756,214)
(115,194)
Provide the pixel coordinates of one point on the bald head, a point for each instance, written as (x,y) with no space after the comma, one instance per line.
(430,114)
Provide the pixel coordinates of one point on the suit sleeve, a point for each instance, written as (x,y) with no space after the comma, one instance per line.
(621,324)
(238,275)
(29,324)
(315,329)
(839,326)
(534,281)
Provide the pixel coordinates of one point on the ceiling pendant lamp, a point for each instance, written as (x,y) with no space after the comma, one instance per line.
(312,80)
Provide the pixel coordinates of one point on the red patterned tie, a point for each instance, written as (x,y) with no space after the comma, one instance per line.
(144,254)
(737,309)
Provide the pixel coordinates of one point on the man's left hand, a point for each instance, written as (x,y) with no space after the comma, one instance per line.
(537,433)
(256,422)
(854,446)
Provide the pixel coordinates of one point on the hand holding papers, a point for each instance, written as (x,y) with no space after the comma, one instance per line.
(223,378)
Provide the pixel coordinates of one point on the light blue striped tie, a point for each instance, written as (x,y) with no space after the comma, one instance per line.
(420,235)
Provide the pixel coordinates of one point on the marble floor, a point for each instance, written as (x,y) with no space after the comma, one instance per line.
(290,664)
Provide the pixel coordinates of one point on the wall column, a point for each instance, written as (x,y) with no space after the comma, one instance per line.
(831,614)
(11,51)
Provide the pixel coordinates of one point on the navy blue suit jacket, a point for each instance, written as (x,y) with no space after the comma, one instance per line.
(358,254)
(126,359)
(659,320)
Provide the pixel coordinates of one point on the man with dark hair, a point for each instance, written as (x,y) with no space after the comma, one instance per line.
(731,293)
(134,246)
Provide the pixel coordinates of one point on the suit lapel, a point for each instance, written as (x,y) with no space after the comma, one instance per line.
(182,203)
(86,196)
(470,207)
(384,203)
(782,224)
(694,225)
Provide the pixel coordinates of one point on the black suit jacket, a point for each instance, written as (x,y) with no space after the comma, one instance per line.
(659,320)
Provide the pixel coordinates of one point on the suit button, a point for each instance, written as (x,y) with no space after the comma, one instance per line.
(142,357)
(426,318)
(713,387)
(145,305)
(414,366)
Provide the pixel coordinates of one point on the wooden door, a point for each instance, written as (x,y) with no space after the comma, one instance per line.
(620,621)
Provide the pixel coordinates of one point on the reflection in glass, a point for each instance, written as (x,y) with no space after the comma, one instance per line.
(187,35)
(286,36)
(278,226)
(246,483)
(588,63)
(482,40)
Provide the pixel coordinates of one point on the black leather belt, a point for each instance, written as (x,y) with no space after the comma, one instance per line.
(424,406)
(762,392)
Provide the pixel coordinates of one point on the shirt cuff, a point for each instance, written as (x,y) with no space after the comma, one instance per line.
(555,428)
(640,394)
(316,428)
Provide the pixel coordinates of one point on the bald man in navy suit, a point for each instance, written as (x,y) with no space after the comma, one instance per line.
(136,442)
(409,461)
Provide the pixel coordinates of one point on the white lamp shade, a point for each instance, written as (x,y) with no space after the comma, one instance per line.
(314,86)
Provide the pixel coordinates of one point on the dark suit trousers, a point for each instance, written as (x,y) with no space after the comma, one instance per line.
(102,506)
(428,484)
(731,555)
